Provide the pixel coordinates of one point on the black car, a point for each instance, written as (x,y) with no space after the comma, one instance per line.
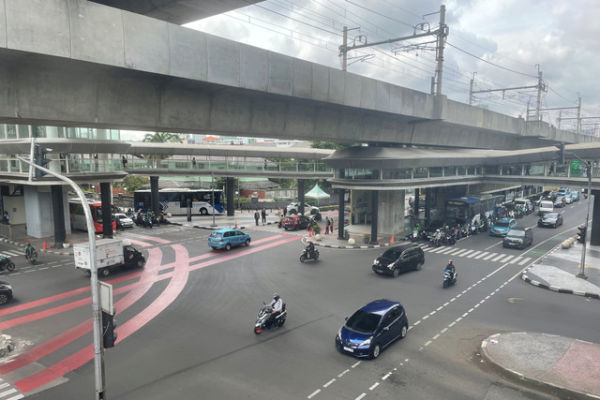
(404,257)
(550,219)
(518,237)
(6,293)
(560,201)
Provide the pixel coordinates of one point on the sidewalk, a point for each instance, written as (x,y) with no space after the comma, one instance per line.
(568,367)
(558,271)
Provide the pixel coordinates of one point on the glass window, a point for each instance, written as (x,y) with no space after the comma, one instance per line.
(362,321)
(435,172)
(421,172)
(449,171)
(11,131)
(23,131)
(491,170)
(462,170)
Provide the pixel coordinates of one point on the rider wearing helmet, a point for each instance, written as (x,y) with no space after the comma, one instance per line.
(276,307)
(450,267)
(310,249)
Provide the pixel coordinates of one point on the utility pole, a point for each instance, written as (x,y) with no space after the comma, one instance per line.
(471,88)
(540,86)
(441,33)
(559,118)
(587,219)
(579,114)
(441,42)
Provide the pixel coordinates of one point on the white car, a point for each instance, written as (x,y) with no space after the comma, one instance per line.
(123,221)
(292,208)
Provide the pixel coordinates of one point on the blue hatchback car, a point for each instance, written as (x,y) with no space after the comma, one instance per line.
(372,328)
(228,238)
(502,226)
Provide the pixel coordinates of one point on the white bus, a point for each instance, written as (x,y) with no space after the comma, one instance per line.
(174,200)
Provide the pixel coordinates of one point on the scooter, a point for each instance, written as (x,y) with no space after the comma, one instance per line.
(306,255)
(6,263)
(264,320)
(449,279)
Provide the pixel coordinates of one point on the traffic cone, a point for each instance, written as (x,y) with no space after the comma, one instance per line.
(45,247)
(392,240)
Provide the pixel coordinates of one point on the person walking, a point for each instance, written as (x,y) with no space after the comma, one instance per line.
(256,217)
(284,211)
(327,225)
(263,214)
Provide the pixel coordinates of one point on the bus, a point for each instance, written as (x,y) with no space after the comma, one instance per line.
(468,209)
(174,201)
(77,215)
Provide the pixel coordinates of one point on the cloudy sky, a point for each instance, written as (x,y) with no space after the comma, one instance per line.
(502,41)
(559,35)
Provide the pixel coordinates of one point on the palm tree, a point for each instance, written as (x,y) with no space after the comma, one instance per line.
(159,137)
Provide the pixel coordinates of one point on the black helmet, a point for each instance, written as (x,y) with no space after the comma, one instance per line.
(276,296)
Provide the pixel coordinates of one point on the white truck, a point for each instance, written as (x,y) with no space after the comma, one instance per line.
(110,255)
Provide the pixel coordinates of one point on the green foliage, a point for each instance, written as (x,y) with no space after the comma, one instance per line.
(331,145)
(159,137)
(131,183)
(316,228)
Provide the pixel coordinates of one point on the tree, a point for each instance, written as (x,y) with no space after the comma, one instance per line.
(332,145)
(131,183)
(159,137)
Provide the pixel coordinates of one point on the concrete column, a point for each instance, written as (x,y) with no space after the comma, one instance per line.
(595,228)
(391,218)
(301,196)
(230,192)
(107,230)
(374,215)
(154,197)
(428,198)
(341,193)
(58,213)
(416,204)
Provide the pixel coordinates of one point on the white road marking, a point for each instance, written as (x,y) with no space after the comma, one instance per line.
(4,385)
(499,257)
(443,331)
(490,256)
(458,319)
(439,308)
(461,252)
(373,386)
(516,260)
(425,317)
(446,303)
(525,260)
(507,259)
(417,323)
(452,324)
(474,254)
(433,312)
(329,383)
(6,393)
(17,397)
(471,310)
(313,394)
(386,376)
(427,343)
(355,364)
(437,250)
(468,252)
(482,255)
(495,244)
(360,396)
(435,337)
(454,250)
(448,250)
(343,373)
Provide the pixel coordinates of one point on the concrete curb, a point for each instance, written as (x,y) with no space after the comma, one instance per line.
(561,391)
(334,246)
(557,289)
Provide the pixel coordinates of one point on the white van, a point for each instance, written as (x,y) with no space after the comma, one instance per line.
(546,206)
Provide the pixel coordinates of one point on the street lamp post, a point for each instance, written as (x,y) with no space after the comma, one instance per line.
(96,315)
(212,188)
(587,219)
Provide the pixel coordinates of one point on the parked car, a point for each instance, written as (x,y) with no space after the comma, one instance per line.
(296,222)
(123,221)
(6,293)
(560,202)
(402,258)
(550,219)
(228,238)
(518,237)
(372,328)
(293,208)
(502,226)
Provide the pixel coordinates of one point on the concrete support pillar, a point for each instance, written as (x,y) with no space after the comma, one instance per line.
(416,204)
(341,193)
(428,204)
(391,218)
(301,196)
(107,229)
(595,228)
(154,197)
(58,213)
(374,215)
(230,192)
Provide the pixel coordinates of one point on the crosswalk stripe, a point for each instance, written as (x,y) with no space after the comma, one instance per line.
(481,255)
(4,385)
(437,250)
(490,256)
(499,257)
(468,252)
(17,397)
(474,254)
(448,249)
(525,260)
(516,260)
(6,254)
(460,252)
(12,253)
(424,247)
(7,392)
(454,250)
(507,259)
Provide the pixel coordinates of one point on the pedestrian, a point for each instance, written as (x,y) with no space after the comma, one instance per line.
(194,162)
(6,218)
(284,211)
(124,161)
(256,217)
(263,214)
(331,225)
(327,225)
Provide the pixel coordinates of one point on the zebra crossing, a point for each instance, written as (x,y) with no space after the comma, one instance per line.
(477,254)
(11,253)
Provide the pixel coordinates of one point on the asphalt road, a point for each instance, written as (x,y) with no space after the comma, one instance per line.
(185,331)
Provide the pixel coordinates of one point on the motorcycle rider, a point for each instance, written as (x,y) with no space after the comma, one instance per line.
(310,249)
(450,268)
(29,250)
(276,307)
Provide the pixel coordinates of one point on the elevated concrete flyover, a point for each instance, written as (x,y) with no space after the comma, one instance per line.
(178,11)
(77,63)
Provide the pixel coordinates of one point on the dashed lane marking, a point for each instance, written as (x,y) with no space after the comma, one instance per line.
(313,394)
(359,397)
(356,364)
(329,383)
(373,386)
(343,373)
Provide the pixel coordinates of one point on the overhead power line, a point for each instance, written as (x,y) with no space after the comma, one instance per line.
(489,62)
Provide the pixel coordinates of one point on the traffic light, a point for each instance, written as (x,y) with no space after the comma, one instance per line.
(40,154)
(109,336)
(581,234)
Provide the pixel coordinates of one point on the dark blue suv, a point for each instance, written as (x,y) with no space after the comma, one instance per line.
(372,328)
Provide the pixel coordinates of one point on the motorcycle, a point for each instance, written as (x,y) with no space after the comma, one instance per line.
(31,255)
(436,238)
(264,320)
(449,279)
(6,263)
(473,229)
(306,255)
